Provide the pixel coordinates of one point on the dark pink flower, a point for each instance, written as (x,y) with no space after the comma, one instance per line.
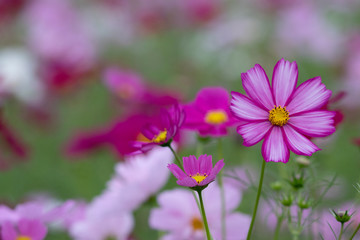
(26,229)
(198,172)
(284,115)
(131,89)
(210,112)
(161,132)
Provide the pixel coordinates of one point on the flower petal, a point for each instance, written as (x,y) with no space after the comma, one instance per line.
(212,98)
(256,85)
(191,165)
(253,132)
(217,168)
(187,182)
(298,143)
(274,148)
(284,81)
(244,108)
(8,231)
(175,169)
(205,164)
(314,123)
(310,95)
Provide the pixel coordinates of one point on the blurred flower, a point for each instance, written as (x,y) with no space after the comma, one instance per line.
(305,21)
(284,116)
(26,230)
(210,112)
(118,137)
(161,132)
(198,172)
(179,216)
(63,61)
(130,88)
(19,78)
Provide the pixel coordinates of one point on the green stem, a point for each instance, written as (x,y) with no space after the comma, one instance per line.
(356,230)
(176,157)
(208,236)
(222,193)
(341,231)
(278,226)
(257,200)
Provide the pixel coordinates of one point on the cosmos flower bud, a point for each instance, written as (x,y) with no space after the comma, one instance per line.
(287,200)
(341,216)
(276,186)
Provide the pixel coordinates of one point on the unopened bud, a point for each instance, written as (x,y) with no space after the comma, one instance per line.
(276,186)
(287,200)
(303,162)
(341,216)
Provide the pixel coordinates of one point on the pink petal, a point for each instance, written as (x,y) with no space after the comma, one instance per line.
(191,165)
(274,148)
(256,85)
(298,143)
(284,81)
(8,231)
(217,168)
(187,182)
(244,108)
(178,173)
(253,132)
(314,123)
(310,95)
(212,98)
(32,228)
(205,164)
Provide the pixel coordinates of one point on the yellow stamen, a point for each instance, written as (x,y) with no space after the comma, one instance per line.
(197,224)
(279,116)
(160,137)
(198,177)
(216,117)
(142,138)
(23,238)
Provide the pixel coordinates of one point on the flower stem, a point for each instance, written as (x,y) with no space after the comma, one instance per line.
(208,236)
(356,230)
(341,231)
(176,157)
(257,200)
(222,193)
(278,226)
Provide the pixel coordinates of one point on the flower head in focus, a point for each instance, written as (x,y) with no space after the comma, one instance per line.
(284,115)
(210,112)
(198,172)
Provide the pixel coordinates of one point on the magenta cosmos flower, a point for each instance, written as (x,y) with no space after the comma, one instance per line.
(162,132)
(210,112)
(281,114)
(198,172)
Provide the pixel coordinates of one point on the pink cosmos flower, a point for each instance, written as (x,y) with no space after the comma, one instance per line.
(26,229)
(198,172)
(179,216)
(162,132)
(210,112)
(283,115)
(131,89)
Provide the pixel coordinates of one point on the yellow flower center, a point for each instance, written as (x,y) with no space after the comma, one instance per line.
(198,177)
(141,138)
(278,116)
(23,238)
(216,117)
(197,224)
(125,91)
(160,137)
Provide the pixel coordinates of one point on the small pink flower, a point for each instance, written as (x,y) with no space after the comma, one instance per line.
(198,172)
(26,229)
(283,115)
(210,112)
